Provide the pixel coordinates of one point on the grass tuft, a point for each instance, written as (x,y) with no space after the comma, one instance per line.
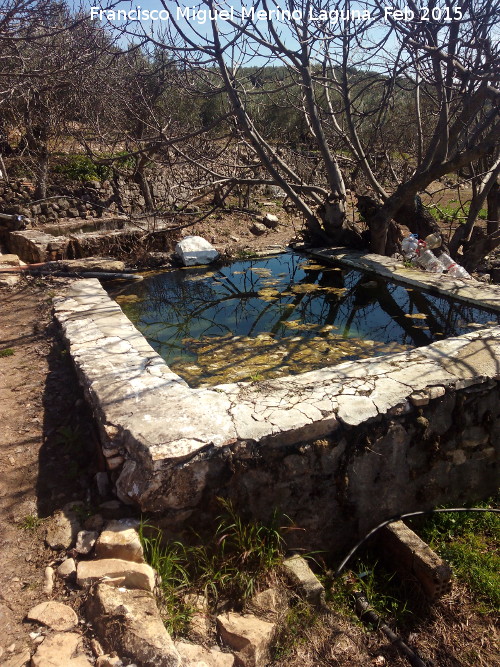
(7,352)
(231,564)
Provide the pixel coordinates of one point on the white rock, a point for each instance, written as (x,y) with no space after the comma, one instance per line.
(116,572)
(54,615)
(85,541)
(195,250)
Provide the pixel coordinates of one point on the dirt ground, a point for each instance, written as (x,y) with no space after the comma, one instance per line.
(48,457)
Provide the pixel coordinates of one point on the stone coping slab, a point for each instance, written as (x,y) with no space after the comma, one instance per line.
(470,291)
(158,422)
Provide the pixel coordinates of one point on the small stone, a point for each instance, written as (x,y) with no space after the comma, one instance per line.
(67,568)
(62,529)
(54,615)
(120,539)
(109,661)
(270,221)
(303,577)
(114,462)
(48,580)
(198,656)
(248,635)
(116,572)
(61,649)
(258,228)
(419,398)
(85,541)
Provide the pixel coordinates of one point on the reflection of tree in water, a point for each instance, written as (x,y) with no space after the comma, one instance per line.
(195,304)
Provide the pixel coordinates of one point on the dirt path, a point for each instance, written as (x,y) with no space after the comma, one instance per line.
(39,403)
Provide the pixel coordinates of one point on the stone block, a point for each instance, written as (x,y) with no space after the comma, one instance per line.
(129,623)
(61,649)
(193,655)
(115,572)
(305,580)
(195,250)
(247,635)
(408,553)
(120,539)
(67,568)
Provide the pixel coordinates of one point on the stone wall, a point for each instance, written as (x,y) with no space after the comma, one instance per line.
(337,450)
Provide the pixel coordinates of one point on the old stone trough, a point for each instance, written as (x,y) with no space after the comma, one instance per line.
(337,450)
(84,238)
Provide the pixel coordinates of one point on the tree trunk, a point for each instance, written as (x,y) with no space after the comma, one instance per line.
(337,229)
(42,173)
(493,199)
(141,179)
(385,233)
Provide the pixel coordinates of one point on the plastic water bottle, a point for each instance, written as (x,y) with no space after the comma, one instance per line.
(429,261)
(433,241)
(409,246)
(454,269)
(457,271)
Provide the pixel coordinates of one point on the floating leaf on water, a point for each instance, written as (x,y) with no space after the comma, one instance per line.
(127,298)
(260,271)
(327,327)
(268,293)
(303,288)
(416,316)
(334,290)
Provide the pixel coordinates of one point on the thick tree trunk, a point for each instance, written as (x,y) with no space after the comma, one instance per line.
(336,229)
(385,234)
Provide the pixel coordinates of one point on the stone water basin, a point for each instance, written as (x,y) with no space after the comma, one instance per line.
(284,315)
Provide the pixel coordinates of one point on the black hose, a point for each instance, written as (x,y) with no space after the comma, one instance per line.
(338,571)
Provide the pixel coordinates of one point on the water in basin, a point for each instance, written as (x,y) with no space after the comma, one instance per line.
(263,318)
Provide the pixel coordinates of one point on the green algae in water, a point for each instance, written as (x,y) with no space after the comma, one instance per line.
(283,315)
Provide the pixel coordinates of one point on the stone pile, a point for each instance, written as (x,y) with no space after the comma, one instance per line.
(105,558)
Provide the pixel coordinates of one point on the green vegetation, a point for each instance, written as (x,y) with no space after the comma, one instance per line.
(30,523)
(7,352)
(454,212)
(232,563)
(470,542)
(82,168)
(79,167)
(301,618)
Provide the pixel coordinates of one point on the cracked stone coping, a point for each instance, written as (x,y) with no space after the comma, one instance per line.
(470,291)
(159,420)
